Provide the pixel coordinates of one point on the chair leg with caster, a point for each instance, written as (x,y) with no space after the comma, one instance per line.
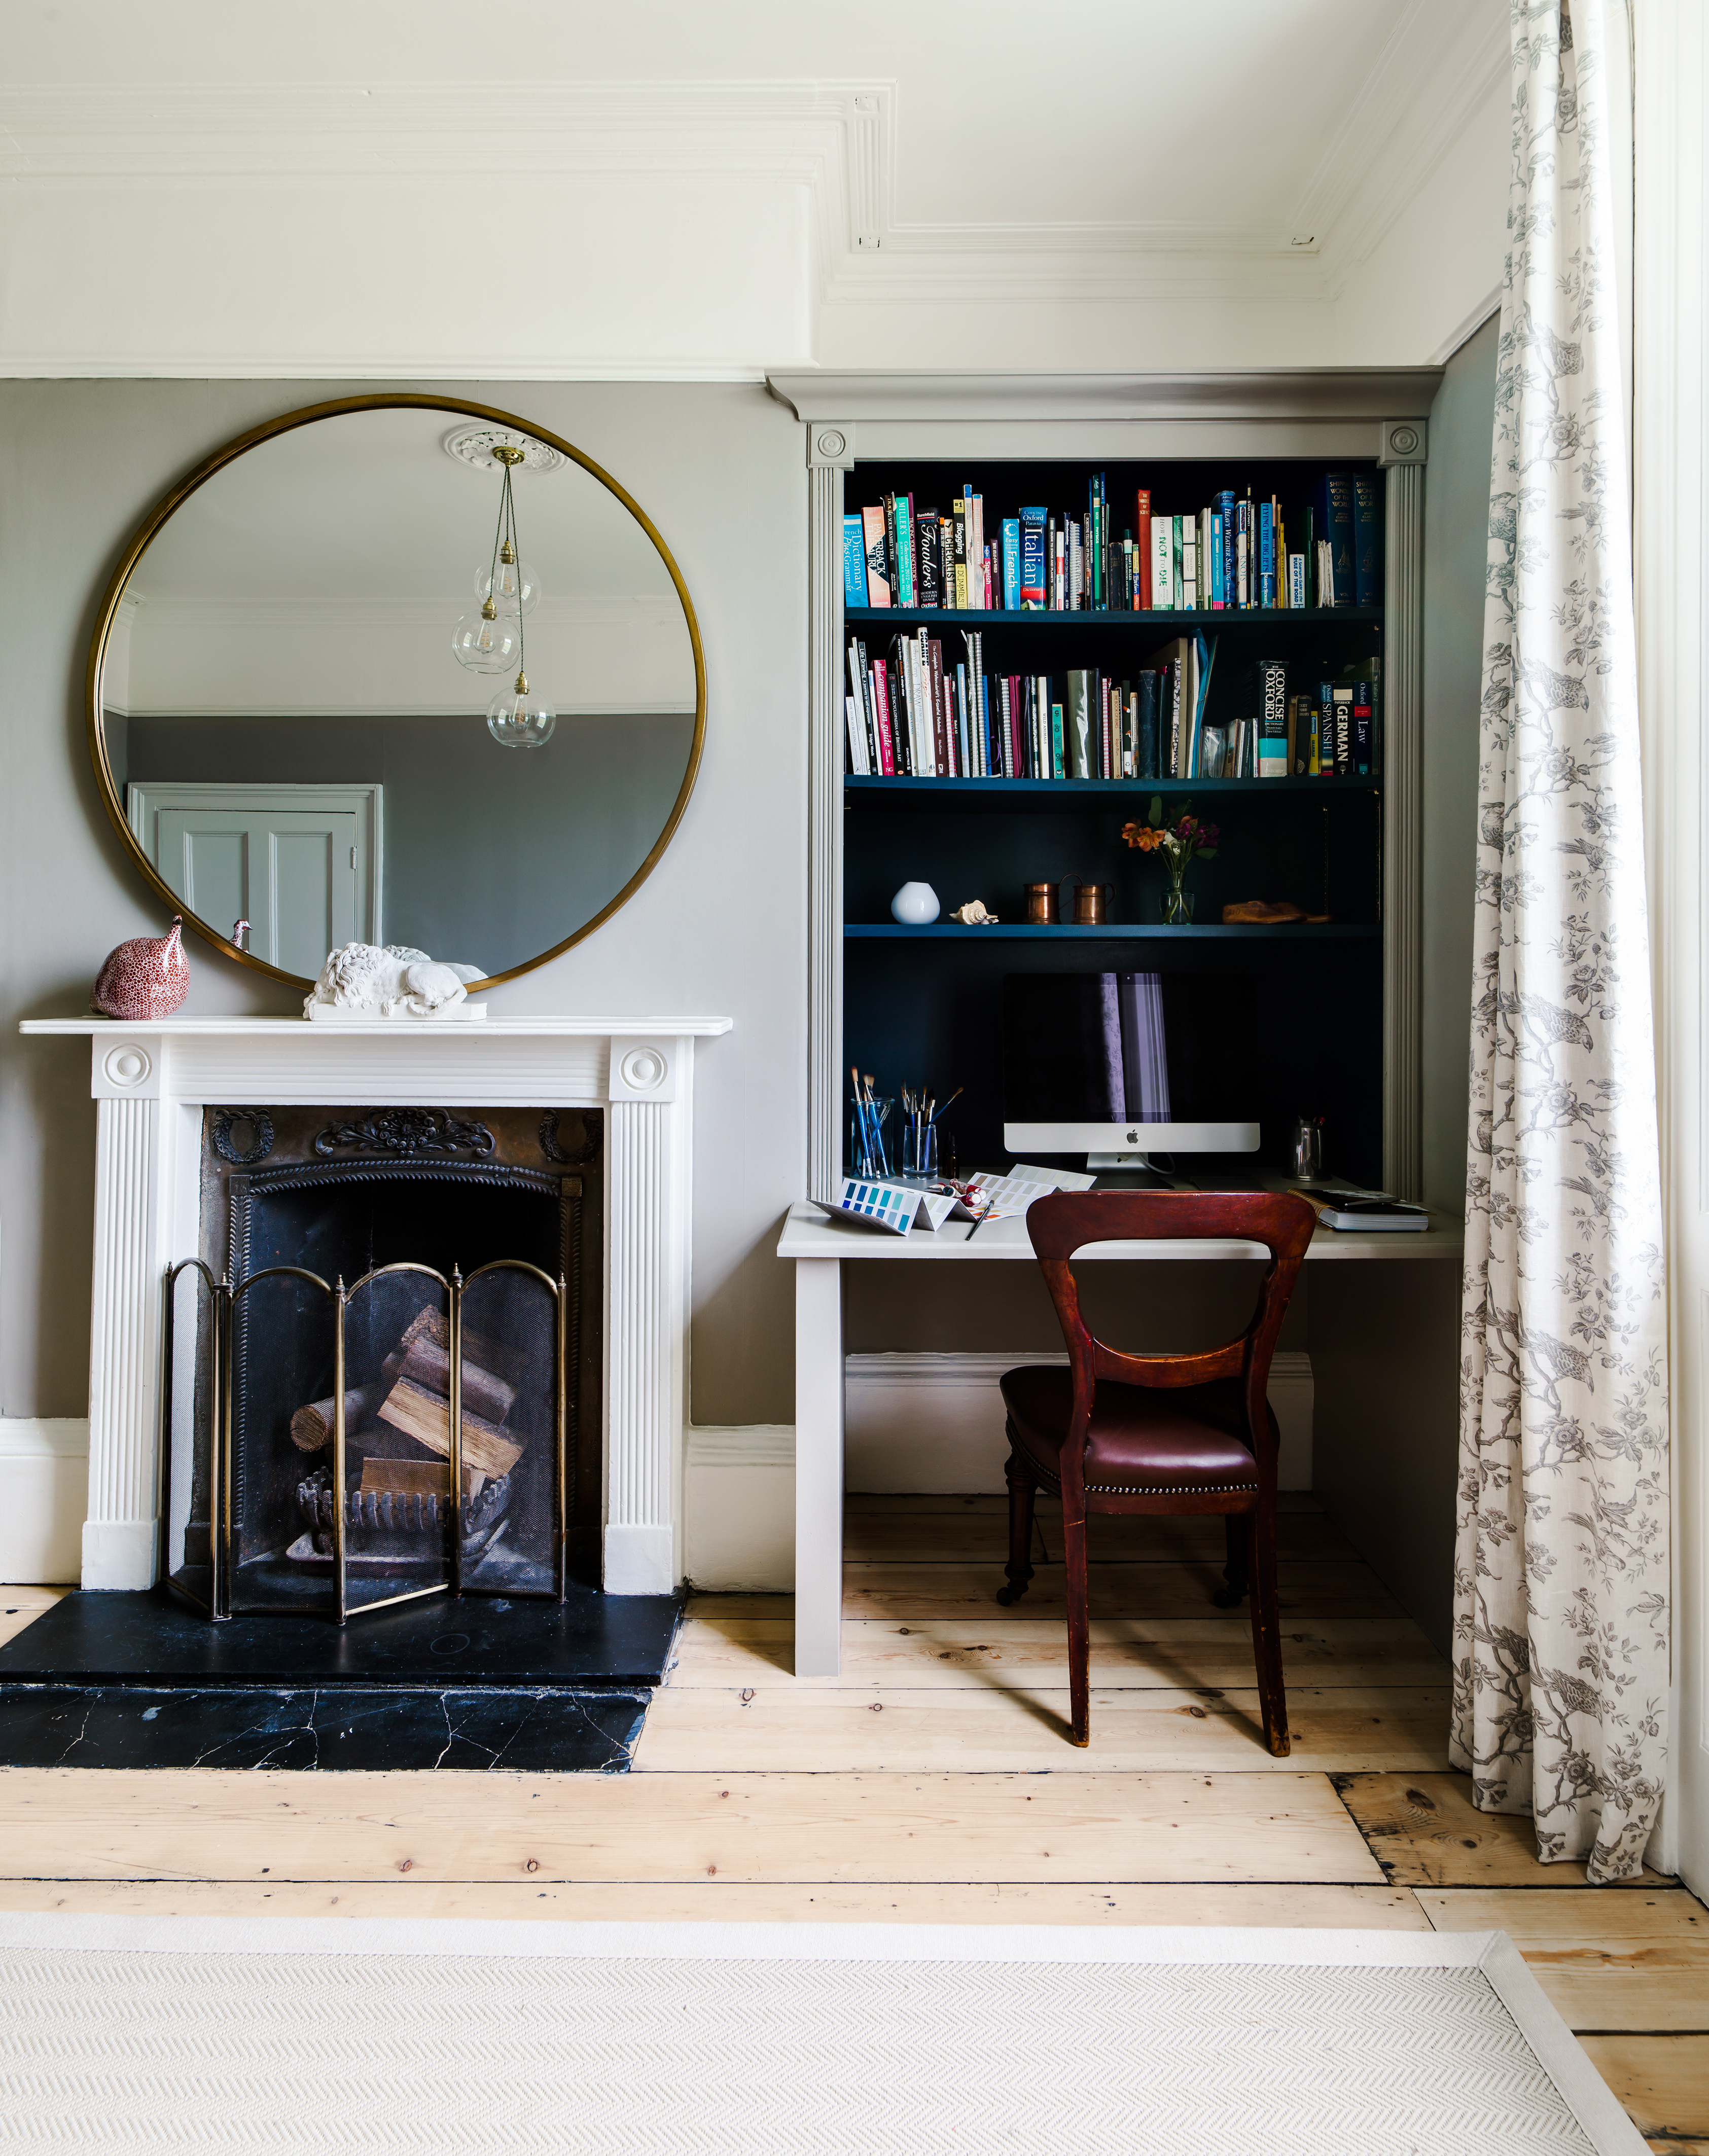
(1236,1572)
(1019,1568)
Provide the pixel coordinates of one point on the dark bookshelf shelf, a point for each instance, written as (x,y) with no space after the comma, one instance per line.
(1115,931)
(1044,793)
(1209,619)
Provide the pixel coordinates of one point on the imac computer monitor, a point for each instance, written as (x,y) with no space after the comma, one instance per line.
(1120,1065)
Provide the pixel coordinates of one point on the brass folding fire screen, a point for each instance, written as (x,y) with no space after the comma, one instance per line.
(405,1509)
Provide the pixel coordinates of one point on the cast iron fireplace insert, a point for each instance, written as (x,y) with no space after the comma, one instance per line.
(408,1265)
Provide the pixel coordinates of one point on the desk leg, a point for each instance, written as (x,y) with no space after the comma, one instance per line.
(818,1467)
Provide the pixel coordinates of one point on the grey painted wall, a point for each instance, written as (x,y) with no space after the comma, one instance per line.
(491,855)
(719,926)
(1456,546)
(1385,1338)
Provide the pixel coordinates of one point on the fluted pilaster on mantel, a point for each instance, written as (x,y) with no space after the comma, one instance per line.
(648,1315)
(121,1533)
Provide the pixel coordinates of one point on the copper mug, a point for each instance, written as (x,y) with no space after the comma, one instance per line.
(1091,904)
(1041,905)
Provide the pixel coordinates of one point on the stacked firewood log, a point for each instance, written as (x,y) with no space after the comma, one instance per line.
(399,1427)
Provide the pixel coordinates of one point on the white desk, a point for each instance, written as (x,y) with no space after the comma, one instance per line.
(819,1243)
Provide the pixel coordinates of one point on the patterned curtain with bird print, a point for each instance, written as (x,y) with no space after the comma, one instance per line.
(1561,1574)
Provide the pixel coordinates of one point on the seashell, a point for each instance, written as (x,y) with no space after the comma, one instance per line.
(147,978)
(973,915)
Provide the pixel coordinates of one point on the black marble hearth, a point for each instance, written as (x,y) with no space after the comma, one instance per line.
(110,1680)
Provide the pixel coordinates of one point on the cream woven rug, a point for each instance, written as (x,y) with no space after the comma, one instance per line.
(226,2035)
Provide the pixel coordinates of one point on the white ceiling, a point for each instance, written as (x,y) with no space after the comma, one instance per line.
(407,185)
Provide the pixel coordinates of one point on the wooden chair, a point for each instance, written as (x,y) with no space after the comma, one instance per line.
(1156,1434)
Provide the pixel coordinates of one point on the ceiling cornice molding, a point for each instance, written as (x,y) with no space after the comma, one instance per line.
(1280,394)
(1442,64)
(832,141)
(837,140)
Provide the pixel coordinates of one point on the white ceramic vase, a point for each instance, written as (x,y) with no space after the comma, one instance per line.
(915,906)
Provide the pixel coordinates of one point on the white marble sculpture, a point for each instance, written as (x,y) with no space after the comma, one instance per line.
(362,981)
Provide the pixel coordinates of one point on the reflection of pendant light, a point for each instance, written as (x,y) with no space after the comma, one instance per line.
(488,642)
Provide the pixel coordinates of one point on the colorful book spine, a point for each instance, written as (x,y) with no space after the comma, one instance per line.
(1270,684)
(1058,745)
(1162,564)
(878,582)
(1368,540)
(907,551)
(1335,527)
(1032,522)
(854,560)
(1143,539)
(1012,564)
(1364,742)
(1297,580)
(1266,554)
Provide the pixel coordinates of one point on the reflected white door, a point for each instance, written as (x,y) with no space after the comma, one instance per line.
(302,871)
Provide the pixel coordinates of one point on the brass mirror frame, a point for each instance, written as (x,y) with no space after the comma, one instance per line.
(175,498)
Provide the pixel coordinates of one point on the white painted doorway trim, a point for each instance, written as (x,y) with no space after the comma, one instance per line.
(145,799)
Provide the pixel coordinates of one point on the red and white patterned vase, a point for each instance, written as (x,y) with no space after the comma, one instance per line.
(147,978)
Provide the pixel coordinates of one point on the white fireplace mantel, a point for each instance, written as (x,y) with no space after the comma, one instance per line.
(151,1083)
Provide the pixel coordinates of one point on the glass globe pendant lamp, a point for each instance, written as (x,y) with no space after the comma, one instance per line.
(486,642)
(517,718)
(510,583)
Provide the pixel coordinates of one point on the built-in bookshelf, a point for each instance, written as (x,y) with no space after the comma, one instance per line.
(1003,686)
(1337,995)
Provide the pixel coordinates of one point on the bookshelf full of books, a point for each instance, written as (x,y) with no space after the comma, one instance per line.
(1039,657)
(927,698)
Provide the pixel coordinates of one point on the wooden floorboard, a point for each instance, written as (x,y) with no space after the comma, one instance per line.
(848,1827)
(1663,2080)
(1426,1832)
(22,1605)
(1623,1962)
(722,1901)
(986,1727)
(720,1646)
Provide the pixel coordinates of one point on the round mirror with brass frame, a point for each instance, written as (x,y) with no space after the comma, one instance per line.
(400,669)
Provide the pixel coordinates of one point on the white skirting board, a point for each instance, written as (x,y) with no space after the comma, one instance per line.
(44,1498)
(915,1422)
(934,1422)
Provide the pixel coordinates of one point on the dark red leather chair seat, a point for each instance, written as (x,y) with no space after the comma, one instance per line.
(1143,1439)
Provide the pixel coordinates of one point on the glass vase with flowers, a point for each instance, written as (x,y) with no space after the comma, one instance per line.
(1180,844)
